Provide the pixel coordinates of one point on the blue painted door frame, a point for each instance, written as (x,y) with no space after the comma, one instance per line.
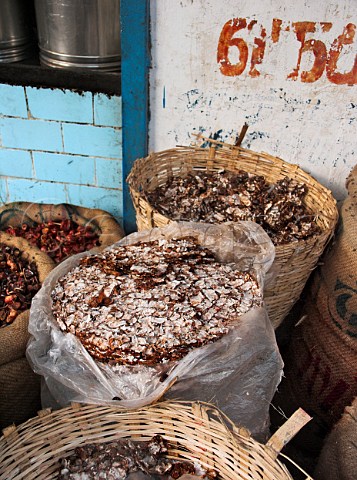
(135,62)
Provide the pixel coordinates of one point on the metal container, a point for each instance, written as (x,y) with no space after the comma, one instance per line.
(16,39)
(79,34)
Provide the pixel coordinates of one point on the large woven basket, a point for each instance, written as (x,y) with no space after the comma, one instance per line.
(195,432)
(294,261)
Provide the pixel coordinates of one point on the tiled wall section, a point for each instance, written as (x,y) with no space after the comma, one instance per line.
(61,146)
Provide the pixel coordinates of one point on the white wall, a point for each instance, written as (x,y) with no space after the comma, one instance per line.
(309,120)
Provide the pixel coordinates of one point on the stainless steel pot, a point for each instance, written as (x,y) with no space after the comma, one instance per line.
(16,39)
(80,34)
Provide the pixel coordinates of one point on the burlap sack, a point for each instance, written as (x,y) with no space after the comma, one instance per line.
(102,222)
(321,362)
(20,392)
(338,459)
(14,337)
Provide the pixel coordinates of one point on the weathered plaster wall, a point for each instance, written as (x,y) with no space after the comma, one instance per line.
(288,69)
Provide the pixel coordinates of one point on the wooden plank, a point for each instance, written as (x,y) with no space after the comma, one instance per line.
(287,431)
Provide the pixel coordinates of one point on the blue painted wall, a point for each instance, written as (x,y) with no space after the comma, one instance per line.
(61,146)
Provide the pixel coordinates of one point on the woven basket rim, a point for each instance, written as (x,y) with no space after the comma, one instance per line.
(273,160)
(214,438)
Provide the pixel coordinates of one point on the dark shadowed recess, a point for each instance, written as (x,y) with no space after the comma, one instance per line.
(30,73)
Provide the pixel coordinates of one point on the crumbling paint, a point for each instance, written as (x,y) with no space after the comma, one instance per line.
(289,70)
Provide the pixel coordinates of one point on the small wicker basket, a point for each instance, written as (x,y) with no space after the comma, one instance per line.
(294,261)
(196,432)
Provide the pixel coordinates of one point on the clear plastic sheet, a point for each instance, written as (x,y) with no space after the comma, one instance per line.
(239,373)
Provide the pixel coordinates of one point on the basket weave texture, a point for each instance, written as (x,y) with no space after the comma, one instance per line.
(195,432)
(294,261)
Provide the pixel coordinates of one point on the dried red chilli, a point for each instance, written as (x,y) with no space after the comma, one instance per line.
(58,239)
(19,282)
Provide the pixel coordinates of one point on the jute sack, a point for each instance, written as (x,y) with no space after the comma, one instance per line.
(101,222)
(338,457)
(14,337)
(20,392)
(19,386)
(321,364)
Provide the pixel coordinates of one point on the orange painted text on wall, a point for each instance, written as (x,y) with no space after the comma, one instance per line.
(325,58)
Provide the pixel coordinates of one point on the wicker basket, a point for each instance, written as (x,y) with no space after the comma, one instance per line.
(294,261)
(195,432)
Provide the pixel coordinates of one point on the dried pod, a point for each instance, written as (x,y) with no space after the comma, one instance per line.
(18,283)
(122,460)
(58,239)
(225,196)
